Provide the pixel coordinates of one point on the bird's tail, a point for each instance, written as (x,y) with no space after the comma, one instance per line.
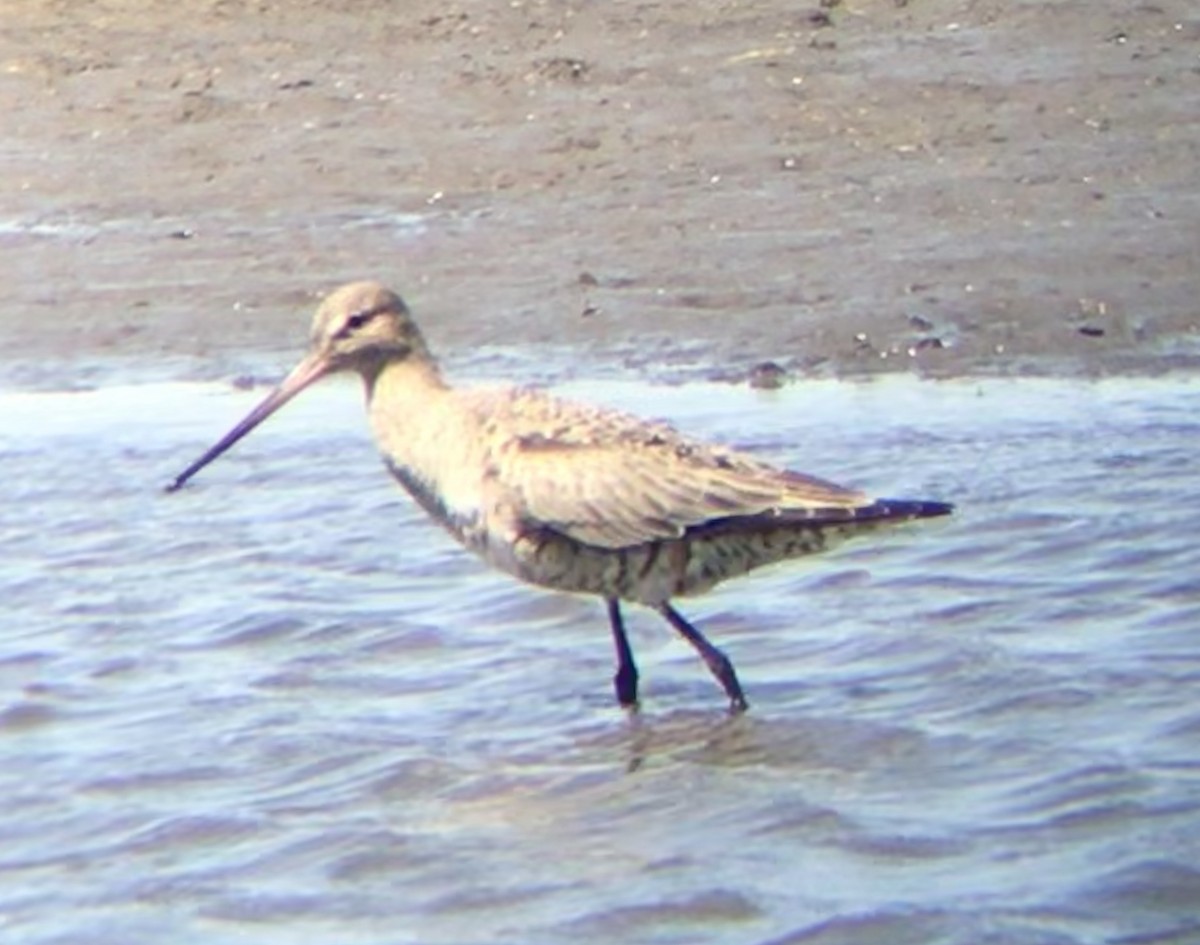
(899,510)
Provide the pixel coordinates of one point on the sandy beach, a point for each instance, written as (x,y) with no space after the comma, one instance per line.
(946,186)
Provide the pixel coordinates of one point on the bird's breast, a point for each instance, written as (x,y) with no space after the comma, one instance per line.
(457,510)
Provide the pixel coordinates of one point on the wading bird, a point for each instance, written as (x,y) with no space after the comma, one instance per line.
(568,496)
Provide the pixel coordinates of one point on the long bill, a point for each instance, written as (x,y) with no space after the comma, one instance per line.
(315,366)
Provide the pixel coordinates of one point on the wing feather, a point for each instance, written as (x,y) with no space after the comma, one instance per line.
(613,481)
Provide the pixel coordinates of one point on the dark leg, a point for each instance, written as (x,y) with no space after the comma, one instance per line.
(717,662)
(626,679)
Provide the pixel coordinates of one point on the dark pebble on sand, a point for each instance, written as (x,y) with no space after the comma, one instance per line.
(767,376)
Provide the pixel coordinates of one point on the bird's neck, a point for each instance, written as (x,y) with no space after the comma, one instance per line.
(428,441)
(406,401)
(403,383)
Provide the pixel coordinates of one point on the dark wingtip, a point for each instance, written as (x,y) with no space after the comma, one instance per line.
(909,508)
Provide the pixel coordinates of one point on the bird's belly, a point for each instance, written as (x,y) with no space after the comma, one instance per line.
(651,573)
(646,574)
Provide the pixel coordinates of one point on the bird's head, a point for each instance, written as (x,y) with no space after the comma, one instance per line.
(359,327)
(362,326)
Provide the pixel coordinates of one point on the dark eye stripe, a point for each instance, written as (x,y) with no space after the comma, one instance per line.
(358,319)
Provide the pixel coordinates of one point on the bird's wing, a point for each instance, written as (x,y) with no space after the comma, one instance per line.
(623,482)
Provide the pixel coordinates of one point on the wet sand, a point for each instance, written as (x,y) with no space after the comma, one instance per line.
(942,185)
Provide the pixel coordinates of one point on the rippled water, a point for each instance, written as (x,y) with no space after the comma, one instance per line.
(281,707)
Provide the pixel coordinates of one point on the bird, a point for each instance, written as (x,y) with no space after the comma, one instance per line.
(566,495)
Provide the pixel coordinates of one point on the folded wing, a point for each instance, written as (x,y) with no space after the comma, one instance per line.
(648,483)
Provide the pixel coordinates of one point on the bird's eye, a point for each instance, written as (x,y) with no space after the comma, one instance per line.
(358,319)
(354,322)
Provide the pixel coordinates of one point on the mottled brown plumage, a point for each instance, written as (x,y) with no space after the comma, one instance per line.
(565,495)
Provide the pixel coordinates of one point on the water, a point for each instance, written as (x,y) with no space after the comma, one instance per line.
(281,707)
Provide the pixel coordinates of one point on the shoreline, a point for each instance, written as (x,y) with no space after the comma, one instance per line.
(553,366)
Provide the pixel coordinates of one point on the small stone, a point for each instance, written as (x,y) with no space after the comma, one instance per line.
(767,375)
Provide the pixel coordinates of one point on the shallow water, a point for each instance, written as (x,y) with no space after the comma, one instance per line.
(279,706)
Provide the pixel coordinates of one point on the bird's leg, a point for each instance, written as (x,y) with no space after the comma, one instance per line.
(626,679)
(716,661)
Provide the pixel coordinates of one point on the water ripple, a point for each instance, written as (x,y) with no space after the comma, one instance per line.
(281,706)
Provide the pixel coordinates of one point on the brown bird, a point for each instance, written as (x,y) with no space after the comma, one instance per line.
(568,496)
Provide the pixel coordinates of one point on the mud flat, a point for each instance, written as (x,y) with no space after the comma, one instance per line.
(936,185)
